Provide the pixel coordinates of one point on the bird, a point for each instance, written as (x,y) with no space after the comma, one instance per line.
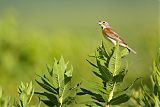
(109,34)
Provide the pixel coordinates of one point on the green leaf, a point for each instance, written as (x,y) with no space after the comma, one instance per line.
(46,87)
(156,74)
(69,72)
(130,85)
(94,104)
(93,95)
(65,86)
(122,72)
(91,63)
(76,87)
(102,52)
(157,61)
(115,61)
(60,68)
(29,90)
(124,52)
(147,97)
(69,100)
(157,101)
(54,81)
(52,97)
(147,101)
(105,73)
(157,90)
(50,70)
(48,103)
(84,91)
(119,100)
(95,87)
(47,82)
(98,74)
(66,83)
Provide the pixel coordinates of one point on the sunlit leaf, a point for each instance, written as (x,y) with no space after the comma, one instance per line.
(46,87)
(105,73)
(49,103)
(26,92)
(119,100)
(91,63)
(93,95)
(124,52)
(52,97)
(94,104)
(122,72)
(115,61)
(50,70)
(69,100)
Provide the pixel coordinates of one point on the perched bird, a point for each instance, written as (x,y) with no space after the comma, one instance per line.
(108,33)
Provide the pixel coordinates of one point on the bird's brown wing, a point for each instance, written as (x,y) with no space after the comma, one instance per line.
(111,34)
(108,33)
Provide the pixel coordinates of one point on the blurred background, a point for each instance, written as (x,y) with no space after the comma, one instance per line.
(34,32)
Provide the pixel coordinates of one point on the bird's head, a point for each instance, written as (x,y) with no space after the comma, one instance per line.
(103,24)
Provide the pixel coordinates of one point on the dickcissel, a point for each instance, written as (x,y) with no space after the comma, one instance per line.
(108,33)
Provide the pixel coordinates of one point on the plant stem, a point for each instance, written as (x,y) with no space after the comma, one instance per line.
(111,94)
(60,100)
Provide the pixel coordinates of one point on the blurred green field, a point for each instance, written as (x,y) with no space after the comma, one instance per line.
(33,33)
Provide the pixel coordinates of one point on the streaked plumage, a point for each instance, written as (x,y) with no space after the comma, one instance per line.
(108,33)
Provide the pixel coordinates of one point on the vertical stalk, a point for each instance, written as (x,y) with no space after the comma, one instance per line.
(60,100)
(111,94)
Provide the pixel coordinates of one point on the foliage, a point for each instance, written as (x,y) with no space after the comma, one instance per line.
(56,83)
(4,100)
(111,68)
(146,96)
(26,92)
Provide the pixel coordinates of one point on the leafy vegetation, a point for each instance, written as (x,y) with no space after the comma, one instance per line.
(150,96)
(110,69)
(4,100)
(57,84)
(26,93)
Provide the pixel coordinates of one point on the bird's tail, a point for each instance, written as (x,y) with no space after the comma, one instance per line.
(130,49)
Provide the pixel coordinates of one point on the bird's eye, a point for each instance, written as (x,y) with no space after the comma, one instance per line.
(103,22)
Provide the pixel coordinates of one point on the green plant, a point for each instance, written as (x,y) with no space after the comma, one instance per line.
(111,68)
(57,85)
(150,96)
(26,92)
(4,100)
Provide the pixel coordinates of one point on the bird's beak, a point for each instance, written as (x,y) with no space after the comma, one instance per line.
(99,22)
